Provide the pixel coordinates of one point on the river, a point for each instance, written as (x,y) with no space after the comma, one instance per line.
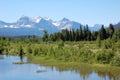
(29,71)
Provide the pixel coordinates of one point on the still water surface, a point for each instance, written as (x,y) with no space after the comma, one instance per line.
(10,71)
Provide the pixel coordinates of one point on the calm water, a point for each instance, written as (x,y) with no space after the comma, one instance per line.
(10,71)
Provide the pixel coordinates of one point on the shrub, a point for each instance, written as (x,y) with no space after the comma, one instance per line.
(115,61)
(104,56)
(86,55)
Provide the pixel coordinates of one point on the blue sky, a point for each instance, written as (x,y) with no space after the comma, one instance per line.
(84,11)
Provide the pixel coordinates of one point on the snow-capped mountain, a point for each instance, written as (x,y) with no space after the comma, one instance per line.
(67,24)
(35,26)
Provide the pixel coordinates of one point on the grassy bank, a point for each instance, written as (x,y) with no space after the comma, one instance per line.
(52,62)
(84,51)
(83,68)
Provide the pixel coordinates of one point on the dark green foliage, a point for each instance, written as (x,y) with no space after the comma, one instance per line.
(84,34)
(102,33)
(98,41)
(94,35)
(72,35)
(45,36)
(60,44)
(115,61)
(1,50)
(35,51)
(29,49)
(107,44)
(116,34)
(104,56)
(86,55)
(111,30)
(81,34)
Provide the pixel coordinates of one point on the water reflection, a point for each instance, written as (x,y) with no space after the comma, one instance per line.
(9,71)
(21,58)
(1,56)
(87,72)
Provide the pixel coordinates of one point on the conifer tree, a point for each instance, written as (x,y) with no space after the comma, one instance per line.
(102,33)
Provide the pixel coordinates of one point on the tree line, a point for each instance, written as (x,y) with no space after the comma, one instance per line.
(83,34)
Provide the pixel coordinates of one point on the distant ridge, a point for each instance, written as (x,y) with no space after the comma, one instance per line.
(35,26)
(117,25)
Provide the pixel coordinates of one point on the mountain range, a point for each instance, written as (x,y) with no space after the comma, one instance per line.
(35,26)
(117,25)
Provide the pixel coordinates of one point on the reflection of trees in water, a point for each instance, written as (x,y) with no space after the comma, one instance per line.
(21,58)
(84,71)
(102,74)
(21,53)
(1,56)
(111,74)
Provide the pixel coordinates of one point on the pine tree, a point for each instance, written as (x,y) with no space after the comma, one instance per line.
(77,35)
(111,30)
(85,33)
(81,34)
(45,36)
(102,33)
(88,33)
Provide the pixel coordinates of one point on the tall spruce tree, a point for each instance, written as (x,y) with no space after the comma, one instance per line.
(45,36)
(102,33)
(81,34)
(111,30)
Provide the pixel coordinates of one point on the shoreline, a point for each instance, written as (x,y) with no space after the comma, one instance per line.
(82,68)
(52,62)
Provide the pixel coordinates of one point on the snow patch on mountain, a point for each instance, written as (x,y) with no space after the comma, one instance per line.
(56,23)
(37,19)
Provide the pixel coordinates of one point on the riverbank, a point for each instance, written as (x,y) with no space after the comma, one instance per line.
(83,68)
(52,62)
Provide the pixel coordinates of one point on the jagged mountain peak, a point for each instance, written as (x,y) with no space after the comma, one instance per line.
(24,18)
(37,19)
(47,19)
